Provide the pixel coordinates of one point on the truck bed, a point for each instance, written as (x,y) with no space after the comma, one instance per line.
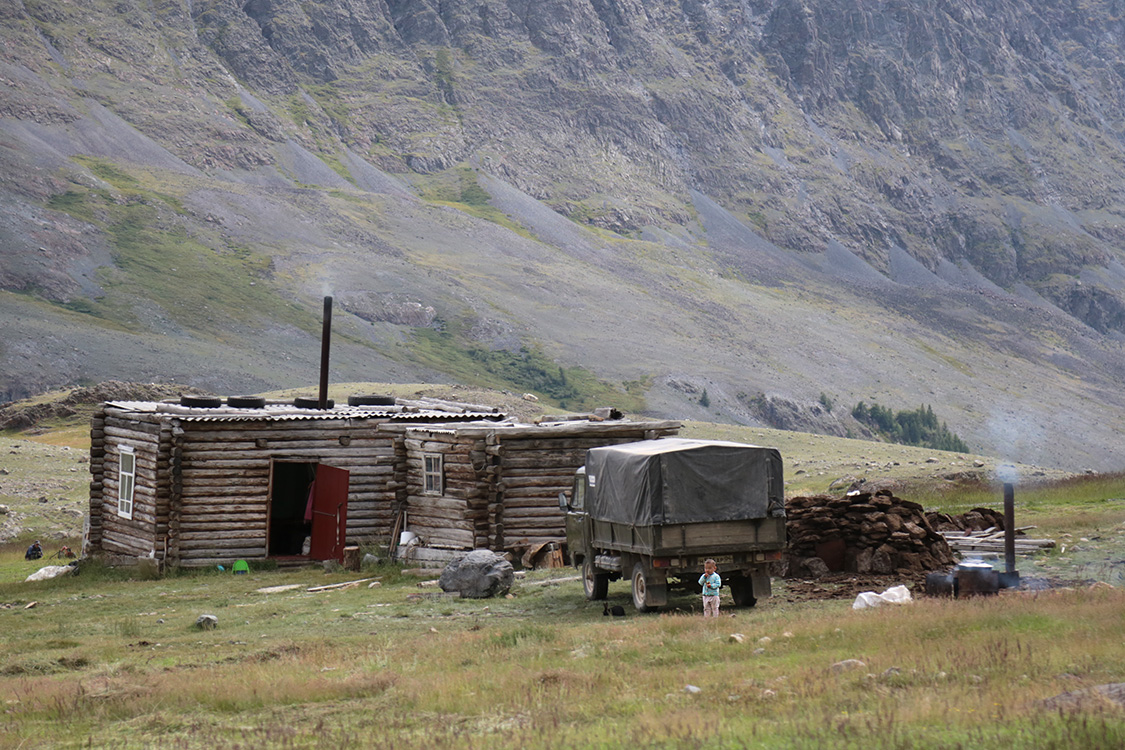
(711,538)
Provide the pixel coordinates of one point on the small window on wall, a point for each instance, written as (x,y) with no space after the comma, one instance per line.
(126,479)
(432,480)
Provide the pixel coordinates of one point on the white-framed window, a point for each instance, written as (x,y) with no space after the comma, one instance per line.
(432,474)
(126,480)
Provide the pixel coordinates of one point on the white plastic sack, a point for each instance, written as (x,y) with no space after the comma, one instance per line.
(51,571)
(893,595)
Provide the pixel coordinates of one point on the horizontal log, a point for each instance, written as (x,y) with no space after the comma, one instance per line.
(530,540)
(197,479)
(553,444)
(192,511)
(415,504)
(548,461)
(200,521)
(231,548)
(114,540)
(511,513)
(439,537)
(544,485)
(624,431)
(121,428)
(376,448)
(192,494)
(512,525)
(188,539)
(323,452)
(436,515)
(562,473)
(207,560)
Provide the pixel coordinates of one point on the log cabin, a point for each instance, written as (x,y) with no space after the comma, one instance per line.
(496,486)
(200,483)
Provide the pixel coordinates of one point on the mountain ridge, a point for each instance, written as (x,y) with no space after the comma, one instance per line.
(782,198)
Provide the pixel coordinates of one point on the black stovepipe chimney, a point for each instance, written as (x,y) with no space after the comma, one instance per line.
(325,343)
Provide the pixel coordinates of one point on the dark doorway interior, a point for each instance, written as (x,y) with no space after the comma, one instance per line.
(288,500)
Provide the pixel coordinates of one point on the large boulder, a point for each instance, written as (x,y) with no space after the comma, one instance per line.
(479,574)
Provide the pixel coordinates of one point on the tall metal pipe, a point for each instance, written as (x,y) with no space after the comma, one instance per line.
(325,343)
(1009,528)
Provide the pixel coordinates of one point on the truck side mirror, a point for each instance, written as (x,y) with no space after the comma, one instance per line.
(562,501)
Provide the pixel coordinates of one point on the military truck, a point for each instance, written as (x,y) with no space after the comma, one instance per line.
(652,511)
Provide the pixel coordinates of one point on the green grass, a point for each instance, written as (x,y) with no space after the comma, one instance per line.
(401,666)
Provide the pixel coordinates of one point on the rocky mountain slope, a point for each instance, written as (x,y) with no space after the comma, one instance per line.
(762,201)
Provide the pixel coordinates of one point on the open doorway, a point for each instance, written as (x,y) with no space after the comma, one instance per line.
(308,512)
(290,484)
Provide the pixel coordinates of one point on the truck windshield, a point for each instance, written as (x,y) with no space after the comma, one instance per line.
(578,502)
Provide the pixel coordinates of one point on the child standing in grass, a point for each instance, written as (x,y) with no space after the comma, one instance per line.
(711,583)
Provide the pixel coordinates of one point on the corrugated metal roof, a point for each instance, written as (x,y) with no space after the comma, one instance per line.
(288,413)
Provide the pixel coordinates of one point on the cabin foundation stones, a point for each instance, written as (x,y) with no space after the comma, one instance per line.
(862,533)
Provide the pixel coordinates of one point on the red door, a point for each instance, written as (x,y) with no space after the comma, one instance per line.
(329,513)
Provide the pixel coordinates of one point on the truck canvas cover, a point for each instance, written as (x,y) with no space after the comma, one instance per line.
(676,480)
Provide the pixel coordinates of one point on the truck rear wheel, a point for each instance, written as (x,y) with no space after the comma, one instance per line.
(742,591)
(647,596)
(595,584)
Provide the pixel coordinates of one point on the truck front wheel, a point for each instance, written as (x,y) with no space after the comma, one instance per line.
(595,584)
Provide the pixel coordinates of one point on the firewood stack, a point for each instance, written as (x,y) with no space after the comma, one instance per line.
(862,533)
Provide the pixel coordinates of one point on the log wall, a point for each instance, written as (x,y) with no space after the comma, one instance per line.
(93,540)
(144,532)
(222,492)
(502,484)
(458,517)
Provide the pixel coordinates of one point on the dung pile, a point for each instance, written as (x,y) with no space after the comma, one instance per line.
(977,519)
(862,533)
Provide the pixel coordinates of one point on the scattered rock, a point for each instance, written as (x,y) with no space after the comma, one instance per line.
(479,574)
(736,638)
(51,571)
(1102,696)
(848,664)
(692,689)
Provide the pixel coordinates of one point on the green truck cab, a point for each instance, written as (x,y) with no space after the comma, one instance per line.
(654,510)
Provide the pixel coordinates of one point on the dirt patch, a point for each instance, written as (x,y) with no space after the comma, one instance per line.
(840,586)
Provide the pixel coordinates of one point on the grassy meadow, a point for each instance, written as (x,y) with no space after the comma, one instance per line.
(110,659)
(102,660)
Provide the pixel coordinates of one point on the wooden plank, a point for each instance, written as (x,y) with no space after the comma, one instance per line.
(336,586)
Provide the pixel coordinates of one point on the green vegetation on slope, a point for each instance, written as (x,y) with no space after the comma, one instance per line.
(528,369)
(917,427)
(199,287)
(459,188)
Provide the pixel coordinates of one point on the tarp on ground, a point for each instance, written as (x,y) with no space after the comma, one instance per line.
(677,480)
